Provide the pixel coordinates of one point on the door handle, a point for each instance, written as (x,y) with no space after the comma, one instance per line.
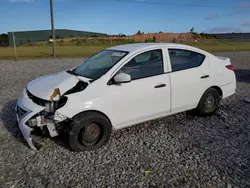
(205,76)
(160,85)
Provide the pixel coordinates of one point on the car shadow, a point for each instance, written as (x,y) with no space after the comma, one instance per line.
(8,117)
(62,140)
(243,75)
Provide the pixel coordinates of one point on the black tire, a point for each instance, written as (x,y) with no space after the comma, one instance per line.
(209,103)
(80,138)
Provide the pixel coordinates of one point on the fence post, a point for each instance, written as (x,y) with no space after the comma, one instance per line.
(111,42)
(14,44)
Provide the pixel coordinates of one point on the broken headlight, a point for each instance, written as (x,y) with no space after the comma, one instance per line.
(54,105)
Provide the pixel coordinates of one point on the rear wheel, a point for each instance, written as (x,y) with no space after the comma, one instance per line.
(89,131)
(209,103)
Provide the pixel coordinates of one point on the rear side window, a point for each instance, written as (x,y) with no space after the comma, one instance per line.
(184,59)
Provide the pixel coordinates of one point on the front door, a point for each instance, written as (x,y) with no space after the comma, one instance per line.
(147,96)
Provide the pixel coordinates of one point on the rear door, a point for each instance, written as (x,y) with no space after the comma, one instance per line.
(189,75)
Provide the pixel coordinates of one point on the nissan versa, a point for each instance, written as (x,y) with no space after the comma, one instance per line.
(123,86)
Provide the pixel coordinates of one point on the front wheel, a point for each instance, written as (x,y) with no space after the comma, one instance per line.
(209,103)
(89,131)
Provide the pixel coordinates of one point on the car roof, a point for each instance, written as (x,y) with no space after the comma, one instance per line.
(139,46)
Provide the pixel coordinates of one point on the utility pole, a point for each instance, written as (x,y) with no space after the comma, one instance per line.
(14,44)
(53,29)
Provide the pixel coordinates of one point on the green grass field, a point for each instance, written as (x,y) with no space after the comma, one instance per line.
(45,51)
(217,46)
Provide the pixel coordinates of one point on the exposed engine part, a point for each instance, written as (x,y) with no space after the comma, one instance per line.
(48,107)
(40,121)
(59,117)
(52,106)
(52,128)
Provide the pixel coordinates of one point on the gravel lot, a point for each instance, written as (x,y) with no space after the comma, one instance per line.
(179,151)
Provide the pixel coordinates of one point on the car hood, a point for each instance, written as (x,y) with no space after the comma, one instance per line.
(44,86)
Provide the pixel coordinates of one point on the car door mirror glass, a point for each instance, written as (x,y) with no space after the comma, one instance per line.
(122,78)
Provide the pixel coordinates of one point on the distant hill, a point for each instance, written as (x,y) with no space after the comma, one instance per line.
(159,37)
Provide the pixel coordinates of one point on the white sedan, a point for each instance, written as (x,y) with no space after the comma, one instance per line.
(123,86)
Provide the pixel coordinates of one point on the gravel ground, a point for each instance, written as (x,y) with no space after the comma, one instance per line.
(177,151)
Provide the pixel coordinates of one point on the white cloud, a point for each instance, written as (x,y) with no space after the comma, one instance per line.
(243,7)
(212,17)
(223,30)
(27,1)
(246,24)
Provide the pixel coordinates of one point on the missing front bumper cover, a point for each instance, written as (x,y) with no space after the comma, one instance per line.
(28,131)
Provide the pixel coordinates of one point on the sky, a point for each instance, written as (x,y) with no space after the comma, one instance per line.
(127,16)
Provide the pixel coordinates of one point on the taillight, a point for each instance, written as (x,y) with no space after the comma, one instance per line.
(230,67)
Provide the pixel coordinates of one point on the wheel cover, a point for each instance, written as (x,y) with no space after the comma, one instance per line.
(209,102)
(90,134)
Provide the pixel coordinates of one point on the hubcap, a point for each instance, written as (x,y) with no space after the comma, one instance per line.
(90,134)
(210,102)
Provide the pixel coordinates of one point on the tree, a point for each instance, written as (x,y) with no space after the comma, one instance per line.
(122,35)
(154,39)
(4,36)
(192,30)
(160,31)
(204,35)
(4,39)
(138,32)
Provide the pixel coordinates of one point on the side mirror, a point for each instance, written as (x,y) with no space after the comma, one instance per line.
(122,78)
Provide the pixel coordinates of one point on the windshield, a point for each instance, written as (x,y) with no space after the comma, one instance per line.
(99,64)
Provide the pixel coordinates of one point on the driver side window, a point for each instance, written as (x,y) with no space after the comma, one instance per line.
(144,65)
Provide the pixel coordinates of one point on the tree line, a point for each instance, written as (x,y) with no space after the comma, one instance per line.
(4,39)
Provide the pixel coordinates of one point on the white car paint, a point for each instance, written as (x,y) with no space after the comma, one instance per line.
(137,101)
(44,86)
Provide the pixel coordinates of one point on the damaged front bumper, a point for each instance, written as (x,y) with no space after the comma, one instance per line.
(26,110)
(23,114)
